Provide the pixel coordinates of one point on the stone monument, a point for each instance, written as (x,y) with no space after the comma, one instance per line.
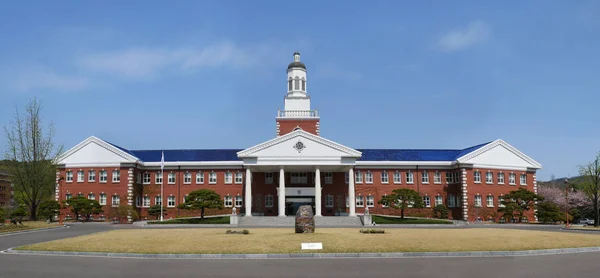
(305,220)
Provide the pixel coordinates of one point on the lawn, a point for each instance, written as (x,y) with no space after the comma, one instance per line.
(27,225)
(396,220)
(209,220)
(335,240)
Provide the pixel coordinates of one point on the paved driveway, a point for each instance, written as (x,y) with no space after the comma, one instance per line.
(8,241)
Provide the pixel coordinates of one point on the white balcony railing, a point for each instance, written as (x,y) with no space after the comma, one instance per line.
(297,114)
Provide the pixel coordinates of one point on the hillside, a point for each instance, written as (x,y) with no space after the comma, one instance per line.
(560,182)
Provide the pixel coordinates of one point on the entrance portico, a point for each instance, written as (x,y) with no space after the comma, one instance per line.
(297,154)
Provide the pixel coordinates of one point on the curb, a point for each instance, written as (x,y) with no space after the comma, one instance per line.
(470,254)
(32,231)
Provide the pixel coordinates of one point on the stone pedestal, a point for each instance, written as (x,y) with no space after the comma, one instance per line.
(234,219)
(367,220)
(305,220)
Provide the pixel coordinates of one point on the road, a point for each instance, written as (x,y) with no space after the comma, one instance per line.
(584,264)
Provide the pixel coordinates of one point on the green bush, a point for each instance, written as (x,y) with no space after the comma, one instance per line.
(244,232)
(372,231)
(440,212)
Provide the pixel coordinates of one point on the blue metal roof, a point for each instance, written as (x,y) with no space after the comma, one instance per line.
(367,154)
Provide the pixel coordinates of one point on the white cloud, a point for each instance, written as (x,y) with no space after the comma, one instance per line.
(463,38)
(37,77)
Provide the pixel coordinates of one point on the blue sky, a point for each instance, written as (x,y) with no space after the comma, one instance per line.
(383,74)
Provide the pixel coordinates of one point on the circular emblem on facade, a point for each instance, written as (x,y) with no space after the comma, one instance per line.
(299,146)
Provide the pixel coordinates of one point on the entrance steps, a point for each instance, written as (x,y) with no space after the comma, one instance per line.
(288,221)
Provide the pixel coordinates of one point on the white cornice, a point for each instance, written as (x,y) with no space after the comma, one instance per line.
(102,143)
(249,151)
(499,142)
(405,163)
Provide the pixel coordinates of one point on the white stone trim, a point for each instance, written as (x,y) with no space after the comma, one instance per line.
(465,199)
(499,142)
(536,202)
(102,143)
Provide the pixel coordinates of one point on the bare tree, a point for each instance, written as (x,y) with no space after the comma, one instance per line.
(31,156)
(591,184)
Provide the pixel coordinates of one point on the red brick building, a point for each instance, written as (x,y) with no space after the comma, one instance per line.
(298,167)
(6,190)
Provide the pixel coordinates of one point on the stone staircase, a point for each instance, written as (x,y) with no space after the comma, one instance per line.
(288,221)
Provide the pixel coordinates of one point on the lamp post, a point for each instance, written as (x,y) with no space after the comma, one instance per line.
(60,217)
(567,203)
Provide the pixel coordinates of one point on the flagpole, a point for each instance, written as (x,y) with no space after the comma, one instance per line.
(162,182)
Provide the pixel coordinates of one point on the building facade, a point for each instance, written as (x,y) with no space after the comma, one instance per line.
(6,191)
(297,167)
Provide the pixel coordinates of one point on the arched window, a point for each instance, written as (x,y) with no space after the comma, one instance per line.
(297,84)
(297,128)
(303,85)
(290,84)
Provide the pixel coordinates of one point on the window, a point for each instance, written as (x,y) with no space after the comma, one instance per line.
(347,177)
(69,176)
(269,201)
(199,177)
(500,200)
(358,178)
(360,201)
(158,200)
(116,176)
(238,201)
(370,201)
(158,179)
(384,205)
(228,177)
(228,201)
(212,178)
(427,201)
(269,177)
(511,178)
(437,177)
(409,177)
(171,201)
(103,199)
(477,177)
(146,202)
(451,201)
(68,196)
(328,178)
(501,178)
(425,177)
(477,200)
(91,196)
(91,176)
(303,85)
(290,84)
(184,197)
(103,176)
(238,178)
(489,177)
(79,195)
(490,201)
(171,178)
(187,178)
(449,177)
(438,200)
(146,179)
(397,177)
(384,177)
(138,201)
(80,176)
(139,177)
(297,84)
(329,201)
(457,177)
(116,200)
(298,178)
(523,179)
(369,177)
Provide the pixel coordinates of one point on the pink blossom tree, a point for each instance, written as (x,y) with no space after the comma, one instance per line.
(557,196)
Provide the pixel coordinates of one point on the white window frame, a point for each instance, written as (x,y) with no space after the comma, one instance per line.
(500,199)
(103,176)
(437,177)
(239,201)
(298,178)
(358,178)
(489,177)
(158,178)
(69,176)
(439,200)
(385,177)
(80,176)
(451,201)
(228,201)
(500,178)
(410,177)
(171,201)
(147,178)
(102,199)
(187,178)
(212,177)
(427,201)
(328,178)
(329,201)
(91,176)
(523,179)
(369,177)
(424,177)
(269,201)
(146,201)
(512,178)
(360,201)
(370,201)
(228,177)
(384,205)
(490,201)
(171,178)
(477,201)
(449,178)
(116,176)
(115,200)
(239,178)
(397,177)
(158,200)
(199,177)
(268,177)
(91,196)
(477,176)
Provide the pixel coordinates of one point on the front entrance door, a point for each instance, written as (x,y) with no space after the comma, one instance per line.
(293,203)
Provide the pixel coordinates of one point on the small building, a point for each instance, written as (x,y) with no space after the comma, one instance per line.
(297,167)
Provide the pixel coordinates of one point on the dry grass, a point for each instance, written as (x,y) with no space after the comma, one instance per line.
(206,241)
(27,225)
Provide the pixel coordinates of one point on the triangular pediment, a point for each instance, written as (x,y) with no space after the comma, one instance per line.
(299,144)
(94,151)
(499,154)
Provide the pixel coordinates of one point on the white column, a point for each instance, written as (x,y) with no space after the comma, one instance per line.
(281,202)
(351,197)
(317,192)
(248,193)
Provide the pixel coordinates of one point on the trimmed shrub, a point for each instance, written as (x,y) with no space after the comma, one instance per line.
(244,232)
(372,231)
